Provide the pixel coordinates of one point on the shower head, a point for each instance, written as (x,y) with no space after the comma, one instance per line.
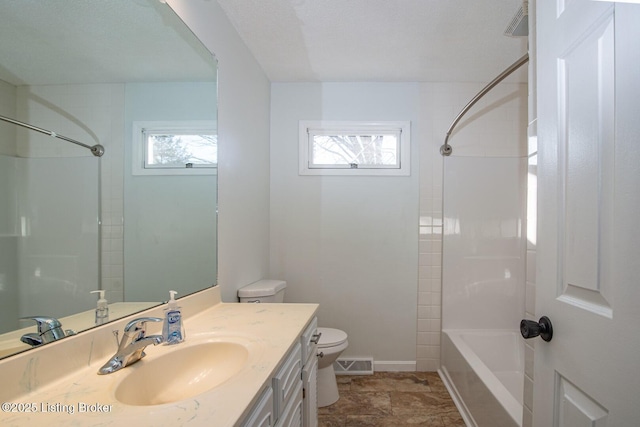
(519,26)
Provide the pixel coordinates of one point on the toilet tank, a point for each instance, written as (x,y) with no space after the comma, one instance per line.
(263,291)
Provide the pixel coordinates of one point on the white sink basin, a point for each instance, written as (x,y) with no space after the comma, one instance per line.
(182,372)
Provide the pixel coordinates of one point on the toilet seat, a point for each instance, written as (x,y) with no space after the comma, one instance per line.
(331,337)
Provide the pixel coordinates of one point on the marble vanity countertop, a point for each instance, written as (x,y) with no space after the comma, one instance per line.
(83,398)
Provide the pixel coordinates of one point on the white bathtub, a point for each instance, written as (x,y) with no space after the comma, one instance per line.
(484,372)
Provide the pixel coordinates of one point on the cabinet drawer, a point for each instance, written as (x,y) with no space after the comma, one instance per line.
(310,393)
(292,414)
(262,413)
(309,340)
(286,381)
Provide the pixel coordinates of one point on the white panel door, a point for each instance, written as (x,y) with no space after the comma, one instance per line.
(588,68)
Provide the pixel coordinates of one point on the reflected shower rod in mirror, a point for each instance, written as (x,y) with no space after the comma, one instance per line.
(97,150)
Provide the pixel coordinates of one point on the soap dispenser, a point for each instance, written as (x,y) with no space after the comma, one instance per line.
(173,329)
(102,309)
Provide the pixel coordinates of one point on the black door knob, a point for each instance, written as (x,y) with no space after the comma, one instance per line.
(531,328)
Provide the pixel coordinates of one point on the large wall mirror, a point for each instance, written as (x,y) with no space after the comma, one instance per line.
(138,221)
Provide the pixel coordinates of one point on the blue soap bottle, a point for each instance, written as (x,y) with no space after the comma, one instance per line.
(173,328)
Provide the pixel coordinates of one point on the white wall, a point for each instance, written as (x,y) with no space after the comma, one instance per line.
(347,243)
(243,135)
(311,244)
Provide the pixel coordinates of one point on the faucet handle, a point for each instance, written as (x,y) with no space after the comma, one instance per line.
(140,324)
(44,323)
(49,328)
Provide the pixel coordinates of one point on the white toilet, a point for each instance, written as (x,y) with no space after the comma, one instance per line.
(331,344)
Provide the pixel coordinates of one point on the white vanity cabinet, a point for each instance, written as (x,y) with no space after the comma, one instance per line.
(281,403)
(262,413)
(309,341)
(288,382)
(292,413)
(291,398)
(310,393)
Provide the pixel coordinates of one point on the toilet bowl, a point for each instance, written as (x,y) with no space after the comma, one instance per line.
(331,344)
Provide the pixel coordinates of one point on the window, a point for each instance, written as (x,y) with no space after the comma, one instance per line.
(354,148)
(175,148)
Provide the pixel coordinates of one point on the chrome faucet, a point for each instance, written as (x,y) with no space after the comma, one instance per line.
(132,345)
(49,330)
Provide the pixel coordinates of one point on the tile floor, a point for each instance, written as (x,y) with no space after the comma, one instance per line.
(391,399)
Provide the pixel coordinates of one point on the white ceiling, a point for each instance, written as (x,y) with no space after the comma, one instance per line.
(379,40)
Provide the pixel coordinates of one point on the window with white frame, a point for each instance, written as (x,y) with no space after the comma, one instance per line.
(175,148)
(354,148)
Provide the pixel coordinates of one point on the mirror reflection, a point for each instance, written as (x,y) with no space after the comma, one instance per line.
(138,221)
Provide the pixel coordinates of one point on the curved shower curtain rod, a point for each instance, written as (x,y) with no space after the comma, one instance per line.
(97,150)
(446,149)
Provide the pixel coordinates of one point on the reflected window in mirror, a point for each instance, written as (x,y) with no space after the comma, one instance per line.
(175,148)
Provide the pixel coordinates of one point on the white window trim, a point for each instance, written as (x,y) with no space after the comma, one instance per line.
(304,147)
(138,146)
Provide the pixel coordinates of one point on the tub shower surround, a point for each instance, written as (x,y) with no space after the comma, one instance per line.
(496,126)
(485,373)
(484,252)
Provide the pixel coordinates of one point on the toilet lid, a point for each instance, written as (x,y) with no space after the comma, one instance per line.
(331,337)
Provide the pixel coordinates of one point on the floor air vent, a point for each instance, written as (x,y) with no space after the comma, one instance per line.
(355,366)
